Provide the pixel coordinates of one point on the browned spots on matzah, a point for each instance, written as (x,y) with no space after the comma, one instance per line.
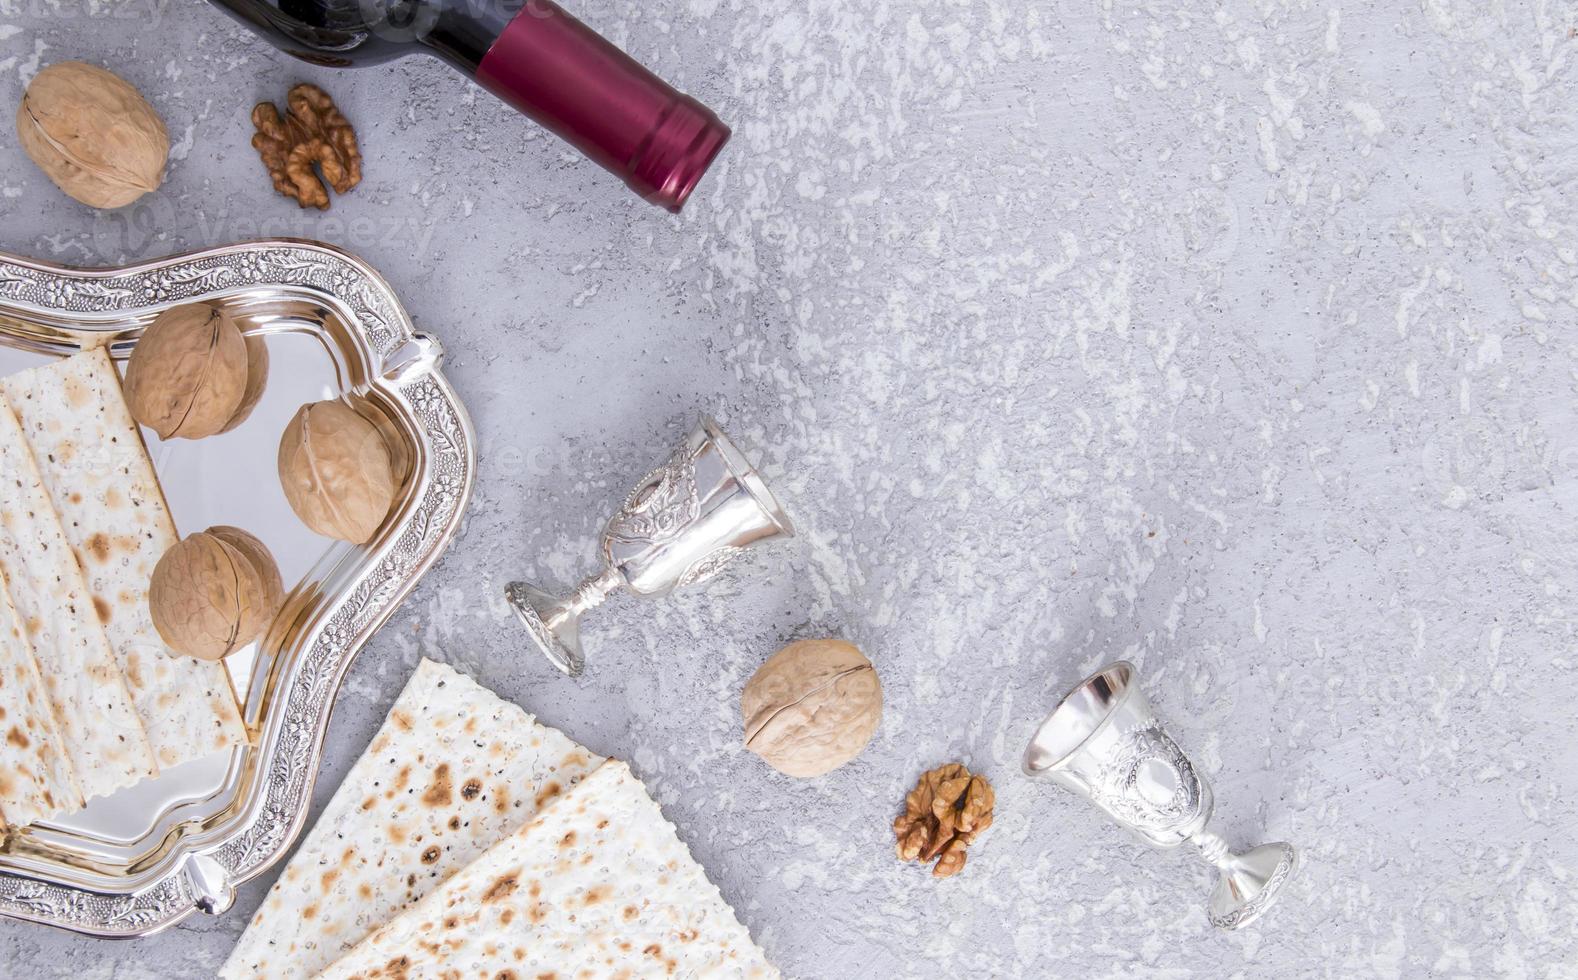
(596,894)
(501,798)
(506,916)
(440,793)
(631,912)
(98,545)
(502,887)
(17,738)
(547,793)
(472,789)
(401,720)
(431,854)
(102,608)
(310,912)
(568,840)
(504,975)
(77,393)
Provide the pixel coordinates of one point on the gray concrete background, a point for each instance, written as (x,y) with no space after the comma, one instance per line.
(1236,339)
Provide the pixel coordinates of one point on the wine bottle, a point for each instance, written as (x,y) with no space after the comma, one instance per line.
(531,54)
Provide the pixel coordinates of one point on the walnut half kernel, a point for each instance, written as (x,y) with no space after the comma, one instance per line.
(945,812)
(313,132)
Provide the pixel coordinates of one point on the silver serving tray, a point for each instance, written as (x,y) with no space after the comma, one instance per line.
(145,858)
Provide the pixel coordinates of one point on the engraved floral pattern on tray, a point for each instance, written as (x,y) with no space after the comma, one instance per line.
(372,303)
(444,485)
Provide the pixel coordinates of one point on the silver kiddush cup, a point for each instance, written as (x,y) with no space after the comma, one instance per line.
(1103,742)
(681,525)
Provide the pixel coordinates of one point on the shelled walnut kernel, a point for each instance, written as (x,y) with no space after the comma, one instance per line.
(945,812)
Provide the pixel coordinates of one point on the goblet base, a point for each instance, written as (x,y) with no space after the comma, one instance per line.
(553,627)
(1250,883)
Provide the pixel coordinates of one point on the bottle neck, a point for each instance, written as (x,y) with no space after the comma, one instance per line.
(572,81)
(461,32)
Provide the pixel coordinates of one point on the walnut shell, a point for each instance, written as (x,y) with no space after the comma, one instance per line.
(812,707)
(336,471)
(257,380)
(262,561)
(188,373)
(206,598)
(93,134)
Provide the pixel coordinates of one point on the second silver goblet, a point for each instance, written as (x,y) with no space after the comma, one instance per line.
(1103,742)
(682,524)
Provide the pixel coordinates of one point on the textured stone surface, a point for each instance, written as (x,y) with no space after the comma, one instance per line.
(1237,341)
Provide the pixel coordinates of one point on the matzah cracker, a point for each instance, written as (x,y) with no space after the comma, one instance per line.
(104,738)
(36,779)
(102,484)
(453,770)
(598,885)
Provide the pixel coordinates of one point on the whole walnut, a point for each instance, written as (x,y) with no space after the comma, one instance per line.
(188,373)
(257,380)
(336,471)
(207,598)
(262,561)
(812,707)
(93,134)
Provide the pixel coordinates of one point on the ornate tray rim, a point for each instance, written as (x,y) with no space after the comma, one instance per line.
(201,873)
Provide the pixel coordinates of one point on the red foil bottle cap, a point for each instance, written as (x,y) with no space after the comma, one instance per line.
(561,73)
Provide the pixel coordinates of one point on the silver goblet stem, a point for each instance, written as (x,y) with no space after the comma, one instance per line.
(1213,848)
(554,622)
(592,591)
